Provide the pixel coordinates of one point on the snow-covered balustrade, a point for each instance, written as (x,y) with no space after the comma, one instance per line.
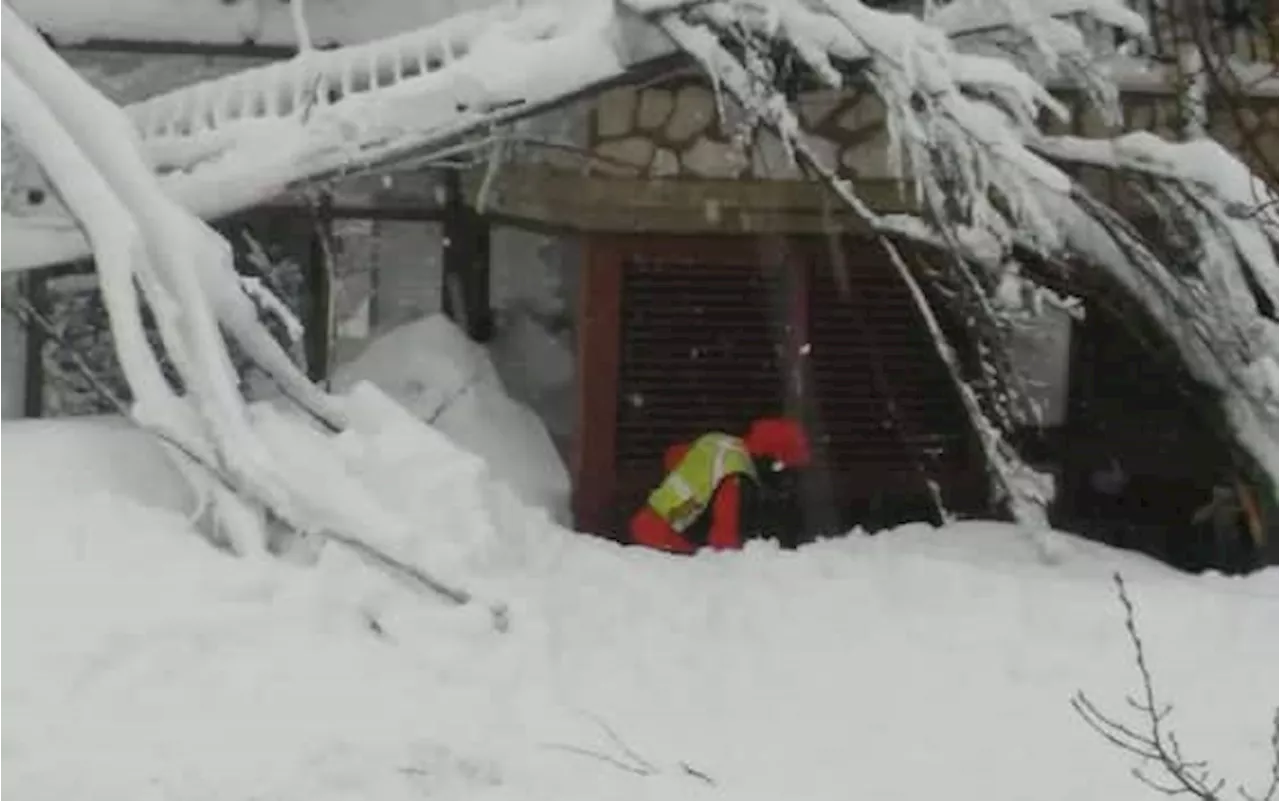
(228,144)
(318,79)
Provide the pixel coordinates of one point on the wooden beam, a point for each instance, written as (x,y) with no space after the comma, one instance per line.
(319,334)
(34,287)
(409,195)
(547,197)
(465,288)
(595,436)
(161,47)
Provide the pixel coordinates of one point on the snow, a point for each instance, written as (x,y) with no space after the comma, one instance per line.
(961,16)
(920,663)
(437,374)
(537,367)
(152,666)
(1239,202)
(236,22)
(119,458)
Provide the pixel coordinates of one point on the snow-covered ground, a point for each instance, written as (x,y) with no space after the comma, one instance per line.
(917,664)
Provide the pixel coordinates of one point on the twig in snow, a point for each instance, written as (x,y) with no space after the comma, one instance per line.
(415,576)
(639,770)
(633,762)
(618,741)
(697,774)
(453,397)
(1270,793)
(1152,740)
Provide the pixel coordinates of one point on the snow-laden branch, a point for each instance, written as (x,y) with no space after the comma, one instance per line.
(229,144)
(964,134)
(244,460)
(331,112)
(120,252)
(1015,486)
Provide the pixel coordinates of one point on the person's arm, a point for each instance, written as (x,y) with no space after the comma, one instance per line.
(726,514)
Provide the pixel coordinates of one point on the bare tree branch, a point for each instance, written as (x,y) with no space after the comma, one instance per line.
(632,762)
(1152,740)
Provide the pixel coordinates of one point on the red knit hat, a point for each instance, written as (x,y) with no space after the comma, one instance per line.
(781,438)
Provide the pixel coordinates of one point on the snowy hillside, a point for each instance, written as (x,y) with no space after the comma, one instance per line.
(914,665)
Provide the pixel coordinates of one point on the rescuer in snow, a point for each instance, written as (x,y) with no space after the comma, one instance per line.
(721,490)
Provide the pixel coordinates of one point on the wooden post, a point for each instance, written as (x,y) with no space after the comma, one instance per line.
(33,286)
(595,436)
(478,294)
(319,323)
(465,277)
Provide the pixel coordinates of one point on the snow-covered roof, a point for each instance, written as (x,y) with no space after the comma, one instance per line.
(261,22)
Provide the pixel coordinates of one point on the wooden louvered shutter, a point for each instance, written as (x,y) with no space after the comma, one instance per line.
(862,319)
(700,352)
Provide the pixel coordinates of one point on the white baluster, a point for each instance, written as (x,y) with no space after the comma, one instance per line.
(142,115)
(213,105)
(274,96)
(170,115)
(302,81)
(201,113)
(218,103)
(397,66)
(323,91)
(346,79)
(372,66)
(182,120)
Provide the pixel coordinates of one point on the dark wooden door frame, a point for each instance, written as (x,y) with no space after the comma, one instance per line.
(600,338)
(596,475)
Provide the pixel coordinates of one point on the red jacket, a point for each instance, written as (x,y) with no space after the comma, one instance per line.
(778,438)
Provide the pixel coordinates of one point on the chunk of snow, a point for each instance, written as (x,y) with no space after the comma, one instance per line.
(438,375)
(537,368)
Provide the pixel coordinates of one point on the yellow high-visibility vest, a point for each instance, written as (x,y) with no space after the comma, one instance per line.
(687,490)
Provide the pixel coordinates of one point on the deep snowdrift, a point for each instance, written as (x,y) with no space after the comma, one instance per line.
(916,664)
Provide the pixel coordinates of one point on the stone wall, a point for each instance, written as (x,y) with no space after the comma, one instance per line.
(675,130)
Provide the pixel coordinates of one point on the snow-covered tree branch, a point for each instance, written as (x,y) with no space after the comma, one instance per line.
(965,136)
(145,242)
